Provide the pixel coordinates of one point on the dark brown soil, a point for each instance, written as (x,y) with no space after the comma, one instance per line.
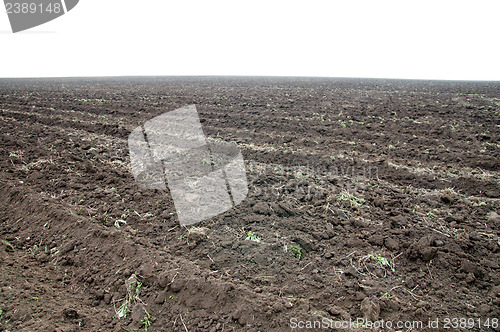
(389,188)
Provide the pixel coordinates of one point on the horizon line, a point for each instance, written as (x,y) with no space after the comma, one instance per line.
(252,76)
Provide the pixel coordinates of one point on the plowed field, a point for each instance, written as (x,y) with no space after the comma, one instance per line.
(368,199)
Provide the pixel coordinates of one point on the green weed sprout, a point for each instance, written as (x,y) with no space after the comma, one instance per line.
(297,252)
(134,287)
(384,262)
(252,237)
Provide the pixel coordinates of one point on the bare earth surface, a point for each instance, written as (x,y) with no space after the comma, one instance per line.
(373,199)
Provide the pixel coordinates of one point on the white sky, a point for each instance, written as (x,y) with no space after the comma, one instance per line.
(436,39)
